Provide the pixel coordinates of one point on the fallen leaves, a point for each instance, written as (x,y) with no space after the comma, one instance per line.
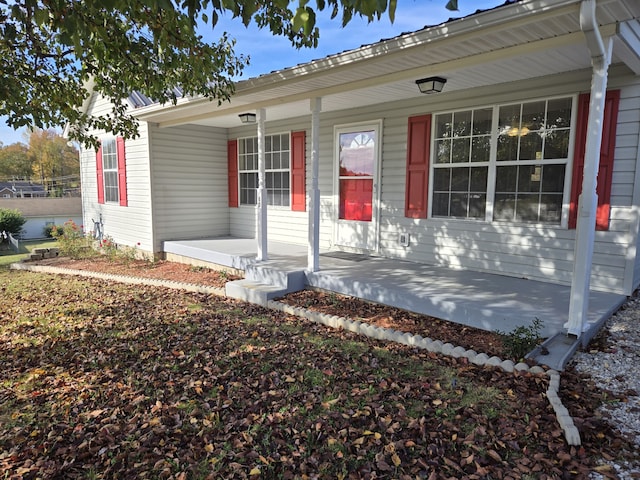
(142,382)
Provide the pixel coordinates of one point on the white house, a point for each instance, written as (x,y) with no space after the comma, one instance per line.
(538,98)
(41,213)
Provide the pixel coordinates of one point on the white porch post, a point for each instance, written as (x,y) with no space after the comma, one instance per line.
(313,256)
(588,200)
(261,224)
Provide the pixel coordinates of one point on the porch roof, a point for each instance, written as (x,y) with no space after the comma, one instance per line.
(517,41)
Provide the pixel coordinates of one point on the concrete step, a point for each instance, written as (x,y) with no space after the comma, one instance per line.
(290,280)
(253,291)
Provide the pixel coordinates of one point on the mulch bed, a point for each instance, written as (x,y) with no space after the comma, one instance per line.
(398,319)
(161,270)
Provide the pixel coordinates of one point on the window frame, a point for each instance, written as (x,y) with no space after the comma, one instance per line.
(109,190)
(493,163)
(241,142)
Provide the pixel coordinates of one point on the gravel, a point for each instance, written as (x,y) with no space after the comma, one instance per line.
(616,368)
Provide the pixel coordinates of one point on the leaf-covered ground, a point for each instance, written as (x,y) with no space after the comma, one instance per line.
(104,380)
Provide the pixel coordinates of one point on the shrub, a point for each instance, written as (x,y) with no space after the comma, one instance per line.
(72,240)
(521,340)
(11,221)
(108,248)
(47,231)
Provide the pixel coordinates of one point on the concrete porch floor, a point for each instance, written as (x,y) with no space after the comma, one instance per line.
(483,300)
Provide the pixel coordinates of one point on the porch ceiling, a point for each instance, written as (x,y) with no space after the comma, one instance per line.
(523,40)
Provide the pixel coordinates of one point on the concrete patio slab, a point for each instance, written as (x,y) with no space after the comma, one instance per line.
(478,299)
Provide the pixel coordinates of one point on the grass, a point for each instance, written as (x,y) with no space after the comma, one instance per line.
(9,256)
(104,380)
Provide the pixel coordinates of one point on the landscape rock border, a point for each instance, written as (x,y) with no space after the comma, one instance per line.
(572,436)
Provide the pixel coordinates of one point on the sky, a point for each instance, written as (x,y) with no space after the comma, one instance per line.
(268,53)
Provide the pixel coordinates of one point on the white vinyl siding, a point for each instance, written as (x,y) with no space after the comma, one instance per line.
(131,226)
(189,168)
(190,200)
(283,224)
(539,252)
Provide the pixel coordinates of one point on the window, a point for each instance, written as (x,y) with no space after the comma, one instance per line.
(277,170)
(110,170)
(461,164)
(506,163)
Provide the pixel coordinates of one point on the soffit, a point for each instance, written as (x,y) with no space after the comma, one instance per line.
(510,43)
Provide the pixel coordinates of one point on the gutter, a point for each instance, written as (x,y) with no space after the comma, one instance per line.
(588,201)
(519,13)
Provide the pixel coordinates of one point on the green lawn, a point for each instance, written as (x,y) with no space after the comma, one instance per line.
(9,255)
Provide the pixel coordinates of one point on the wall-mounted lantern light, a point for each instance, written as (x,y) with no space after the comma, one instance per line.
(431,84)
(247,117)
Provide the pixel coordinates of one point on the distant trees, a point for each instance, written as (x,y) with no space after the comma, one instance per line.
(52,160)
(47,159)
(15,161)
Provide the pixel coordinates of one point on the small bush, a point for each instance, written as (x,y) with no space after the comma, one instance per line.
(119,253)
(72,240)
(47,231)
(11,221)
(108,248)
(521,340)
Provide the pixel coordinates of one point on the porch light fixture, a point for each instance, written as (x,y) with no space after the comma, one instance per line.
(431,84)
(247,117)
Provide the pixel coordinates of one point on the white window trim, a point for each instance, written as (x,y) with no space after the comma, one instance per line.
(493,164)
(377,126)
(240,172)
(105,170)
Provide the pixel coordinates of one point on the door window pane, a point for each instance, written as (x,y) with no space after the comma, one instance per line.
(357,154)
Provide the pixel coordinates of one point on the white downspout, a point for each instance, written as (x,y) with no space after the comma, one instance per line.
(588,200)
(262,191)
(313,255)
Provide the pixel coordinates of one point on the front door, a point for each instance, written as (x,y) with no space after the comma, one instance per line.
(357,186)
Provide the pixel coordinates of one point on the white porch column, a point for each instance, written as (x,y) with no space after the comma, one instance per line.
(313,256)
(588,200)
(261,224)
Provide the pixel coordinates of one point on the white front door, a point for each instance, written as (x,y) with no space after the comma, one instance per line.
(356,186)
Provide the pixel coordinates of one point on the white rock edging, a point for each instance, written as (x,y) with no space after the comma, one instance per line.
(571,433)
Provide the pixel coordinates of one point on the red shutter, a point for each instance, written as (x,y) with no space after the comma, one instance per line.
(100,175)
(607,151)
(122,171)
(417,181)
(298,177)
(232,162)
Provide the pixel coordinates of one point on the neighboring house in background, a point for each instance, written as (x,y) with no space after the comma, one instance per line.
(21,189)
(42,212)
(484,176)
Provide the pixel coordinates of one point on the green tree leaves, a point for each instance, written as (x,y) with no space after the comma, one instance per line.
(50,50)
(11,221)
(15,161)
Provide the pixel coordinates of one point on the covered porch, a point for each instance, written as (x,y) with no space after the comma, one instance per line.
(478,299)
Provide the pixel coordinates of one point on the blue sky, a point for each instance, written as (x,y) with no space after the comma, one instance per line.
(269,53)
